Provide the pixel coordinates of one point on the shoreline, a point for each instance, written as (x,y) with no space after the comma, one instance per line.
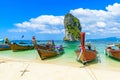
(16,69)
(78,65)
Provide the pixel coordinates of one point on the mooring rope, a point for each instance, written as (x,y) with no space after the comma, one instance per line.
(81,51)
(90,72)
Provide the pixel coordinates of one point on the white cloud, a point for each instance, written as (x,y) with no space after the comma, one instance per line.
(17,30)
(88,33)
(114,29)
(114,9)
(100,22)
(57,31)
(94,22)
(43,24)
(101,30)
(48,19)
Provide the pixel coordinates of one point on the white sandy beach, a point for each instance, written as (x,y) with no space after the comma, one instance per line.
(11,69)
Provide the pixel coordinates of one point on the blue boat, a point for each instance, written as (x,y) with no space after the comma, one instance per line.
(4,47)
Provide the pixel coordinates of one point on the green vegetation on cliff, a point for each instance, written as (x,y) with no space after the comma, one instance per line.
(72,28)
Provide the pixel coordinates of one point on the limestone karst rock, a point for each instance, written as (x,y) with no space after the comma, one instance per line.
(72,28)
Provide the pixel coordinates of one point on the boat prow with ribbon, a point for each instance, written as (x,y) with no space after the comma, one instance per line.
(85,55)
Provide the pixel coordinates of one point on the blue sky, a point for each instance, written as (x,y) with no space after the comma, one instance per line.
(44,18)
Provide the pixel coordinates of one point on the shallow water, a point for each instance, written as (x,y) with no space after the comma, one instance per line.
(68,58)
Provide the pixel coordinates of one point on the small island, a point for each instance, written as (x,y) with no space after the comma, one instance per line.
(72,28)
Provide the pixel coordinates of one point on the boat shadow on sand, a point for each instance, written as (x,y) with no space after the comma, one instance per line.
(95,61)
(115,59)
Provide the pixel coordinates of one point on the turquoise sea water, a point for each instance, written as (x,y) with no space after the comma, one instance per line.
(69,57)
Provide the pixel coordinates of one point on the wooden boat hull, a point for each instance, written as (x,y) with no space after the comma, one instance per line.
(86,55)
(16,47)
(44,53)
(4,47)
(47,50)
(114,54)
(42,47)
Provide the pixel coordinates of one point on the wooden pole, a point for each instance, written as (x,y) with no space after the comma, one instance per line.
(82,36)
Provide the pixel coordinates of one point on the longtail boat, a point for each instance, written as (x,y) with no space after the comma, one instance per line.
(18,47)
(4,47)
(46,50)
(115,53)
(85,55)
